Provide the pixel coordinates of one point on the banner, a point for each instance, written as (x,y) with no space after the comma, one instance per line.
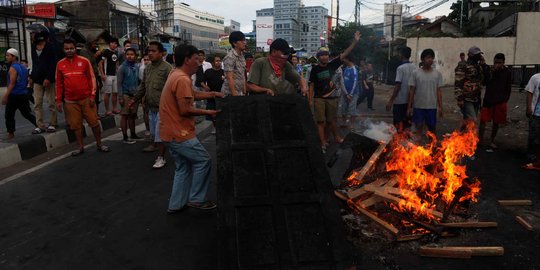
(42,10)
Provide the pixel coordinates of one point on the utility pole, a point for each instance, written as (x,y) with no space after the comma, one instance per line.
(461,17)
(357,12)
(337,13)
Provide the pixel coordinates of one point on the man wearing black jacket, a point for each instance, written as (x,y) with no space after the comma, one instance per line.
(494,106)
(44,61)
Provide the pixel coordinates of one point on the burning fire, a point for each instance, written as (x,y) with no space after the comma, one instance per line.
(430,175)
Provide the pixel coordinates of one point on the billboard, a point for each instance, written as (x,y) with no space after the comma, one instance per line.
(265,32)
(42,10)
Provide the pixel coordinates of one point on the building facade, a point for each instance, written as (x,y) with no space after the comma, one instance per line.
(303,27)
(199,28)
(314,22)
(287,21)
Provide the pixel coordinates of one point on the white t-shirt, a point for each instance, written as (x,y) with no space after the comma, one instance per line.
(426,83)
(403,74)
(534,87)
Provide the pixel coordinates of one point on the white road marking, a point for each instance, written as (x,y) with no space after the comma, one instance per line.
(114,137)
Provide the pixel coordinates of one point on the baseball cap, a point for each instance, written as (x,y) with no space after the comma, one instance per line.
(280,45)
(13,52)
(323,51)
(40,37)
(474,50)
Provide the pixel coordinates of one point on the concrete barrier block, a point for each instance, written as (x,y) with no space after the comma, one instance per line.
(9,154)
(32,146)
(57,139)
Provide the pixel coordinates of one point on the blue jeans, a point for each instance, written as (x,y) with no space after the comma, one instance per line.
(192,173)
(153,121)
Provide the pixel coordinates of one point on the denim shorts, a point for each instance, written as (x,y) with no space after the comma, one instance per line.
(347,107)
(425,116)
(534,130)
(470,110)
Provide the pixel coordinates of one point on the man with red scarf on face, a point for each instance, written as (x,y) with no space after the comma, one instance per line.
(274,75)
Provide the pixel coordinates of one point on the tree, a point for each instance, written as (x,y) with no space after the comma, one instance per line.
(456,12)
(251,45)
(342,37)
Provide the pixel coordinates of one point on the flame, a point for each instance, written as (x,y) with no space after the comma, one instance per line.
(432,172)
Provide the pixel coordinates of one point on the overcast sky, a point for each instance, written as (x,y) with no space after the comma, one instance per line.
(243,11)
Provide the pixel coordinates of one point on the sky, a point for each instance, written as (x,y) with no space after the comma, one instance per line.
(244,11)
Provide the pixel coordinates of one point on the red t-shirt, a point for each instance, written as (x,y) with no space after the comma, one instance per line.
(75,78)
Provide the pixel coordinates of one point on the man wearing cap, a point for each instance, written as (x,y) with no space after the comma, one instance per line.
(44,61)
(16,96)
(468,85)
(321,90)
(234,66)
(273,75)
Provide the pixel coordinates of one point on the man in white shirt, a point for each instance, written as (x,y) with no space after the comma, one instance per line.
(399,99)
(533,113)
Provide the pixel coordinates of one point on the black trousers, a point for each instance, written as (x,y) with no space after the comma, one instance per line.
(367,94)
(18,102)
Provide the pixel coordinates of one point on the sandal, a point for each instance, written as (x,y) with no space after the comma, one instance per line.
(531,166)
(103,148)
(37,131)
(77,152)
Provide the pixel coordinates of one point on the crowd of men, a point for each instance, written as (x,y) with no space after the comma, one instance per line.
(168,91)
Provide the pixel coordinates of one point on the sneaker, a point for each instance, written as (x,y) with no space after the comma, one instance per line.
(51,129)
(149,149)
(136,138)
(128,141)
(159,163)
(208,205)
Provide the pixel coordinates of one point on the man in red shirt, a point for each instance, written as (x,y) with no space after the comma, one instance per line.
(75,92)
(177,131)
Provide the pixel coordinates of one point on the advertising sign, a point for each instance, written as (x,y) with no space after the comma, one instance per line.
(42,10)
(265,32)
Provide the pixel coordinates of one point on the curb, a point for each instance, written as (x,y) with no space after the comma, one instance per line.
(27,147)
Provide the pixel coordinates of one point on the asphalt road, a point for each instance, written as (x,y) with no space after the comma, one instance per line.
(107,211)
(103,211)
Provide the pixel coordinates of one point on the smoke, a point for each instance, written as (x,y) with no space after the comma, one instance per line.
(377,130)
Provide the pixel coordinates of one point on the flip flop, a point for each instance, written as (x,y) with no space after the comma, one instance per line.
(103,148)
(77,152)
(530,166)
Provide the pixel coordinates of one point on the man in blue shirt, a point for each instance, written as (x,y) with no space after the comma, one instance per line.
(16,96)
(127,79)
(350,85)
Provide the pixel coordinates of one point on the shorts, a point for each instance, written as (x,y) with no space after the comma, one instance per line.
(534,130)
(425,116)
(109,85)
(76,111)
(348,107)
(399,112)
(470,110)
(126,110)
(496,113)
(153,120)
(325,109)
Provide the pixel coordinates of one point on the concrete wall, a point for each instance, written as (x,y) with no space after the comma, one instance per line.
(519,50)
(447,51)
(528,38)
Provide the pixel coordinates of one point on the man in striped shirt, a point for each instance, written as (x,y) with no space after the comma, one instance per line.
(75,92)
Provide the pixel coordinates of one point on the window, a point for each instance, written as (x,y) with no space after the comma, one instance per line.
(287,25)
